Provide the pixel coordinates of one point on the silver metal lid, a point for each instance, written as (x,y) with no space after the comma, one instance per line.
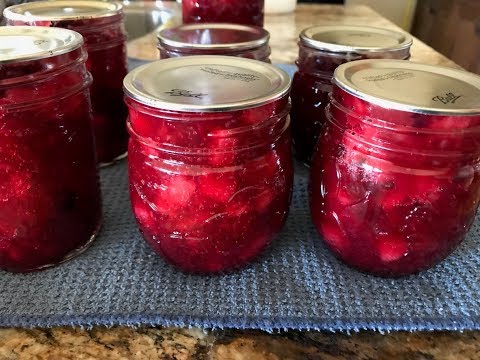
(214,36)
(413,87)
(206,83)
(356,39)
(35,42)
(62,10)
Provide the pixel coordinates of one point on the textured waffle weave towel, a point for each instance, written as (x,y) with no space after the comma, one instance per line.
(295,284)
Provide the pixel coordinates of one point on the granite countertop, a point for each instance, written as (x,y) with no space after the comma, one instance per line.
(284,31)
(174,343)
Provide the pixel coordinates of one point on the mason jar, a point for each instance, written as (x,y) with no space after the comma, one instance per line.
(395,180)
(321,50)
(215,39)
(210,164)
(223,11)
(101,24)
(50,204)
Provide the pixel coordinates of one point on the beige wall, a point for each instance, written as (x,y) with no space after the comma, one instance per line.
(401,12)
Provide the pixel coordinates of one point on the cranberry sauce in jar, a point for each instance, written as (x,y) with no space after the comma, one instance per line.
(209,160)
(50,204)
(321,50)
(395,181)
(215,39)
(101,24)
(223,11)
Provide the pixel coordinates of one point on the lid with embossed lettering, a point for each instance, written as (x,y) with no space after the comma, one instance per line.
(213,36)
(414,87)
(354,38)
(62,10)
(25,43)
(207,83)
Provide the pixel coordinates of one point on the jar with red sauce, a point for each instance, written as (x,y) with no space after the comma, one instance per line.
(50,204)
(101,24)
(223,11)
(395,181)
(215,39)
(210,163)
(321,50)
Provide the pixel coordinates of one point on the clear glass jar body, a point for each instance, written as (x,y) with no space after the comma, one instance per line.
(310,88)
(210,190)
(105,40)
(223,11)
(50,205)
(394,192)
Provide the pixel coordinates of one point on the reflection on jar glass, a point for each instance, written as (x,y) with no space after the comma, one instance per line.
(321,50)
(49,193)
(215,39)
(223,11)
(101,25)
(210,164)
(395,181)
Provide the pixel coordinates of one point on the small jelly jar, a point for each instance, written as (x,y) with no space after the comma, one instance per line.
(395,181)
(50,204)
(210,163)
(215,39)
(223,11)
(101,24)
(321,50)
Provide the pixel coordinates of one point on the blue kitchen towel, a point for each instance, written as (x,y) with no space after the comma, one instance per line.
(295,284)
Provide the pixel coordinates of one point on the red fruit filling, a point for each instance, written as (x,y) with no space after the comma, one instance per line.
(213,207)
(380,201)
(223,11)
(310,88)
(49,193)
(107,62)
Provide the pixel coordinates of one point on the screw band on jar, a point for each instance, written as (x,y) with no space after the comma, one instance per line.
(395,182)
(45,128)
(321,50)
(215,39)
(209,160)
(84,16)
(101,24)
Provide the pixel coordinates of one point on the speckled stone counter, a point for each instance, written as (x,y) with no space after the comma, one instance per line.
(284,31)
(179,344)
(182,344)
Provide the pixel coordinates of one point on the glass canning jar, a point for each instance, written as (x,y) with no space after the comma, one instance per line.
(395,181)
(49,193)
(321,50)
(215,39)
(101,24)
(209,161)
(223,11)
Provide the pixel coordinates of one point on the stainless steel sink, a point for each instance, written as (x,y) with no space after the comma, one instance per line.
(144,17)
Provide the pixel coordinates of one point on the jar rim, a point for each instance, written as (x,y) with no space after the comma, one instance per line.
(355,39)
(27,43)
(62,10)
(172,37)
(206,83)
(411,87)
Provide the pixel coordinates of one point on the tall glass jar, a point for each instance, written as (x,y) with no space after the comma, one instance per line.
(210,162)
(321,50)
(101,24)
(49,193)
(223,11)
(215,39)
(395,182)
